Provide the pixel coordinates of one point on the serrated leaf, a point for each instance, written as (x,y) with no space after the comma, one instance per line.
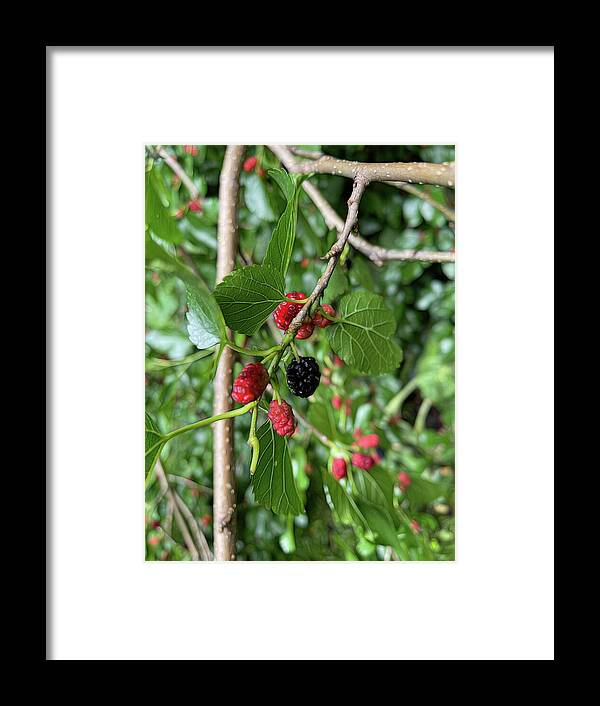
(153,444)
(158,218)
(248,295)
(273,481)
(376,487)
(363,339)
(206,326)
(281,245)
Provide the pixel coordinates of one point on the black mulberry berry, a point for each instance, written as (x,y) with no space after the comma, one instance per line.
(303,376)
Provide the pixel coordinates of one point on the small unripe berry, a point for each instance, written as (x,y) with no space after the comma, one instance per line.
(155,523)
(362,461)
(336,401)
(286,311)
(369,441)
(180,213)
(206,520)
(304,263)
(339,468)
(260,171)
(415,526)
(249,164)
(306,330)
(404,480)
(337,361)
(195,205)
(322,321)
(154,540)
(191,149)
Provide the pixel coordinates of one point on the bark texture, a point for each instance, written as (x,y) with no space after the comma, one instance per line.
(224,494)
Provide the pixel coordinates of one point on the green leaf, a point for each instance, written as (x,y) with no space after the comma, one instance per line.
(156,253)
(153,444)
(381,524)
(343,503)
(321,416)
(279,250)
(273,482)
(248,295)
(376,487)
(257,198)
(206,326)
(363,339)
(158,218)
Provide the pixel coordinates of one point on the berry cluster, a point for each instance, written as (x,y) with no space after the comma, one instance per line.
(286,312)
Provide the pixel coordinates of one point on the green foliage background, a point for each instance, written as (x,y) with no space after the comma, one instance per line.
(421,297)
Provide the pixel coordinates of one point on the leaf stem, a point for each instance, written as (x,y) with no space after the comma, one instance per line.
(210,420)
(422,415)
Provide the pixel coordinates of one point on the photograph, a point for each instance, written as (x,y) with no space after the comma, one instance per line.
(299,352)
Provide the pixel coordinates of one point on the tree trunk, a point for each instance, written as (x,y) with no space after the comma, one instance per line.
(224,496)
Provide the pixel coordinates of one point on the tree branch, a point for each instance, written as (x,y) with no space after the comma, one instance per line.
(179,170)
(223,461)
(415,191)
(412,172)
(375,253)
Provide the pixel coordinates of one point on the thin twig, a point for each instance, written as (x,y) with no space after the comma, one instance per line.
(164,484)
(190,483)
(179,170)
(422,194)
(201,543)
(375,253)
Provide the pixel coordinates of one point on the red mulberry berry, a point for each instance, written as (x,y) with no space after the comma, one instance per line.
(306,330)
(404,480)
(191,149)
(250,383)
(369,441)
(282,418)
(195,205)
(336,402)
(320,320)
(337,361)
(286,311)
(338,468)
(362,461)
(249,164)
(415,526)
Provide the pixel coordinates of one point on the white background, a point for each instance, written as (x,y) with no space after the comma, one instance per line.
(496,600)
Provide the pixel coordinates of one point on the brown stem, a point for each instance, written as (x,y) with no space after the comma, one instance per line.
(411,172)
(223,461)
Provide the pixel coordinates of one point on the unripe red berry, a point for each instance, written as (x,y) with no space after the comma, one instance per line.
(337,361)
(249,164)
(180,213)
(348,406)
(304,263)
(206,520)
(260,171)
(250,383)
(357,434)
(370,441)
(404,480)
(336,401)
(195,205)
(320,320)
(155,523)
(306,330)
(286,311)
(339,468)
(415,526)
(191,149)
(154,540)
(282,418)
(362,461)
